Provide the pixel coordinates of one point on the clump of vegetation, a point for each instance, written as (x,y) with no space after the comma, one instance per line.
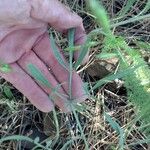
(95,124)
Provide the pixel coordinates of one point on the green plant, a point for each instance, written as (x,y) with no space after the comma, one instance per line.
(137,81)
(132,69)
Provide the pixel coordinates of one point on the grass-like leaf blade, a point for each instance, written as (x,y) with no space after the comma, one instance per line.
(71,33)
(38,75)
(127,7)
(112,77)
(57,53)
(5,68)
(83,52)
(106,55)
(21,138)
(118,129)
(8,92)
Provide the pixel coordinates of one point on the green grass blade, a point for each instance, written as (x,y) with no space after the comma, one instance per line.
(82,55)
(21,138)
(8,92)
(143,45)
(107,55)
(146,8)
(145,141)
(113,123)
(117,128)
(5,68)
(73,48)
(57,53)
(112,77)
(113,25)
(56,126)
(38,75)
(127,7)
(133,19)
(79,125)
(78,47)
(56,122)
(71,34)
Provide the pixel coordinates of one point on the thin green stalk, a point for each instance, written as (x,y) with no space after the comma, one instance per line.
(71,44)
(79,125)
(57,126)
(113,25)
(57,54)
(133,19)
(40,77)
(21,138)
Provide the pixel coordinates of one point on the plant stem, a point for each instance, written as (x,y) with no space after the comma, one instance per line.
(71,44)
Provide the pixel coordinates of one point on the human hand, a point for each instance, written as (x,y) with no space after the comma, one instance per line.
(24,40)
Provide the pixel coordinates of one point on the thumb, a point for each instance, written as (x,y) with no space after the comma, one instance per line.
(55,13)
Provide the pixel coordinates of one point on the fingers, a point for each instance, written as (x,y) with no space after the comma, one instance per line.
(44,52)
(25,84)
(60,99)
(59,17)
(13,46)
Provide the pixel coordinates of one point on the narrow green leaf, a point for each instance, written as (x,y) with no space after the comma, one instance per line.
(112,123)
(113,25)
(73,48)
(38,75)
(8,92)
(82,55)
(80,127)
(71,34)
(137,142)
(57,53)
(112,77)
(78,47)
(48,144)
(37,140)
(143,45)
(5,68)
(56,122)
(106,55)
(21,138)
(133,19)
(117,128)
(127,7)
(146,8)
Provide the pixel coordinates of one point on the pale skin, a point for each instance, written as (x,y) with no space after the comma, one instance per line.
(24,40)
